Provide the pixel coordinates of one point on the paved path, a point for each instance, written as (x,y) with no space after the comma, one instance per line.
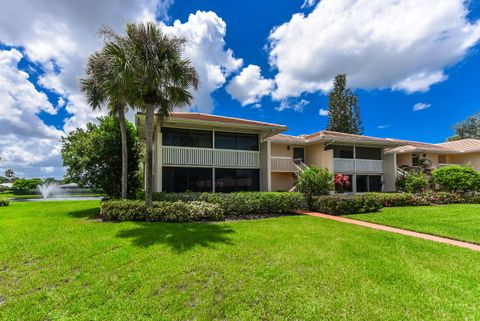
(380,227)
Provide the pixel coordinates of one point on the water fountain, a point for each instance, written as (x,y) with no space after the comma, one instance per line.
(47,189)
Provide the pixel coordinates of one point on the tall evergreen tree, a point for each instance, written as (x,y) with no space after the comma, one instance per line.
(469,128)
(343,110)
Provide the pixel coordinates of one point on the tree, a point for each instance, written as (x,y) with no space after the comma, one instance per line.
(469,128)
(93,157)
(150,65)
(100,88)
(10,174)
(343,110)
(26,186)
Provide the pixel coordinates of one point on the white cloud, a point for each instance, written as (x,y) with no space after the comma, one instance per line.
(249,86)
(420,106)
(205,34)
(56,36)
(296,105)
(398,44)
(25,141)
(383,126)
(323,112)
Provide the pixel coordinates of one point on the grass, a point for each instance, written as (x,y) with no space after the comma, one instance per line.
(461,222)
(58,263)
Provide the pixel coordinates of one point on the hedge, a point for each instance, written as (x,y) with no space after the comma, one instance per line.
(241,203)
(422,199)
(4,202)
(179,211)
(346,204)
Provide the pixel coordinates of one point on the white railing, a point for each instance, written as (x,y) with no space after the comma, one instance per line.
(443,165)
(193,156)
(283,164)
(357,165)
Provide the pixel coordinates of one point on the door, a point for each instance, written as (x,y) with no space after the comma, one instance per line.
(299,153)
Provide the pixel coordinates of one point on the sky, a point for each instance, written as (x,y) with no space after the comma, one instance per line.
(414,65)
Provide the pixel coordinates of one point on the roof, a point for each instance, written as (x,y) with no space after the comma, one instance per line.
(326,135)
(417,147)
(221,119)
(469,145)
(288,138)
(194,118)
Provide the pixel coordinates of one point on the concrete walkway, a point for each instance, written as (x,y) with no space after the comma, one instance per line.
(380,227)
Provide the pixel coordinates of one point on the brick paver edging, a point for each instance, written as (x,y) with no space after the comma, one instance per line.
(380,227)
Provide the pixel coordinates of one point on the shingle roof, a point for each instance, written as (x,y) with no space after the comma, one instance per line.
(331,135)
(417,147)
(223,119)
(468,145)
(288,138)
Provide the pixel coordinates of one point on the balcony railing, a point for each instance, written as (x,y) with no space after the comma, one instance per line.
(283,164)
(193,156)
(357,165)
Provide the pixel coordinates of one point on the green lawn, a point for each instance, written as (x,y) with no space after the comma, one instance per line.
(57,263)
(460,222)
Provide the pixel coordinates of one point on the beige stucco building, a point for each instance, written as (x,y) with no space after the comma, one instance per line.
(201,152)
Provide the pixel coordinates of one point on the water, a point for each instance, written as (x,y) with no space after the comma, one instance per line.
(58,198)
(47,189)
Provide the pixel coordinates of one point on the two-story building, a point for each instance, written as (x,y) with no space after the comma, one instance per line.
(209,153)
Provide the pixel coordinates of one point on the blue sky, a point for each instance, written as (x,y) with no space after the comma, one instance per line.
(265,60)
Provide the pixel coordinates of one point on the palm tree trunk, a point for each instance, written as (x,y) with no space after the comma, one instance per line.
(123,131)
(148,155)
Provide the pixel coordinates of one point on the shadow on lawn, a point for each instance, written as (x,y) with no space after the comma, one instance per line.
(180,237)
(90,213)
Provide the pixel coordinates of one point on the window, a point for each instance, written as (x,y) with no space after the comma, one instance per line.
(368,153)
(340,151)
(224,140)
(415,159)
(182,179)
(369,183)
(231,180)
(187,137)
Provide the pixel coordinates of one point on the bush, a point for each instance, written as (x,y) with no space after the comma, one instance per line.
(413,182)
(314,181)
(123,210)
(26,186)
(240,203)
(457,178)
(256,203)
(346,204)
(4,202)
(179,211)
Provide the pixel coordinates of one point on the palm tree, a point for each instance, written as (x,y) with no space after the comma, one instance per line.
(158,77)
(99,89)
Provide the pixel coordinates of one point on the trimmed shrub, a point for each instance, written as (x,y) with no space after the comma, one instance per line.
(179,211)
(123,210)
(256,203)
(401,199)
(346,204)
(413,182)
(456,178)
(241,203)
(4,201)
